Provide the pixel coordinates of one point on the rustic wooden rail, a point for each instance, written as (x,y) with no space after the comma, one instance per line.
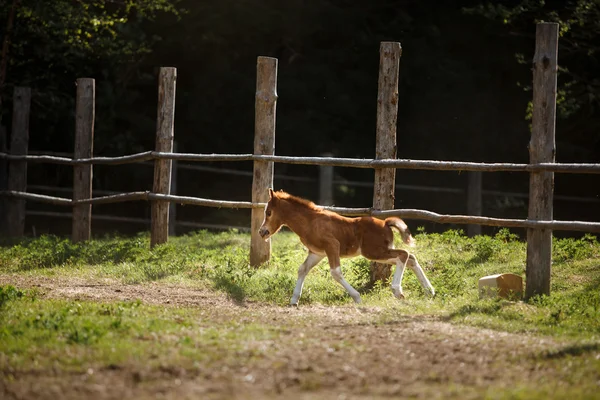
(581,226)
(143,221)
(337,181)
(542,167)
(566,168)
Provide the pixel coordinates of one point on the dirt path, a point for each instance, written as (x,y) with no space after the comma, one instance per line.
(337,353)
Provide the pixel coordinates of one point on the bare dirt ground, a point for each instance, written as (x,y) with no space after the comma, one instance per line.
(333,352)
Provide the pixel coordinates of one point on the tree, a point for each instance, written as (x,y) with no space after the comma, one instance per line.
(578,97)
(48,44)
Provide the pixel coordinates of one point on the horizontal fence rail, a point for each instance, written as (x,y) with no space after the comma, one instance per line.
(144,221)
(573,168)
(131,196)
(424,215)
(339,181)
(436,189)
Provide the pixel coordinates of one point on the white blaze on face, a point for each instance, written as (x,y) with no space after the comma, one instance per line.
(264,231)
(264,218)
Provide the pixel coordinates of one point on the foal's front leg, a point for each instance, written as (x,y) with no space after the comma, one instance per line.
(311,260)
(333,256)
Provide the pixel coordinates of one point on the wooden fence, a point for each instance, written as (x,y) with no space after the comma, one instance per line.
(542,165)
(327,181)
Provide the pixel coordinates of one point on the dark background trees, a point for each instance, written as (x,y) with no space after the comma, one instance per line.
(464,88)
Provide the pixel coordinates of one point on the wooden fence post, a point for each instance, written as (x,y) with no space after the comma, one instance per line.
(17,179)
(84,148)
(326,183)
(264,143)
(387,116)
(173,205)
(3,183)
(164,143)
(542,150)
(474,204)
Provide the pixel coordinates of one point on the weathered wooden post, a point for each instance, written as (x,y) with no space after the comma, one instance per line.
(3,182)
(474,204)
(164,143)
(326,183)
(387,116)
(264,143)
(173,205)
(84,148)
(542,150)
(17,179)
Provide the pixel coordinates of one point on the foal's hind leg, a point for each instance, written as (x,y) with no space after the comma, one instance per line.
(392,256)
(414,265)
(397,280)
(400,261)
(312,260)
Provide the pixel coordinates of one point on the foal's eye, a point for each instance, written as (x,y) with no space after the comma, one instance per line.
(268,213)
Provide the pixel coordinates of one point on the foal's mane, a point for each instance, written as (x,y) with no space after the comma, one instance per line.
(297,200)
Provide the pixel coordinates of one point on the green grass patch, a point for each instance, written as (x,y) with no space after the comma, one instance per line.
(452,261)
(37,333)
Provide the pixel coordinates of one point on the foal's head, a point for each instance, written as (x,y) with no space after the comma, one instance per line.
(272,222)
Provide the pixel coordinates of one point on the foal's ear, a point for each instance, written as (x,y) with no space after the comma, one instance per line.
(271,193)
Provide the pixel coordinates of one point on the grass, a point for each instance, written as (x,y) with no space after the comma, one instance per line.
(36,334)
(39,333)
(452,261)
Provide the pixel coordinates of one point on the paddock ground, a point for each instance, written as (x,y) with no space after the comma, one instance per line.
(337,352)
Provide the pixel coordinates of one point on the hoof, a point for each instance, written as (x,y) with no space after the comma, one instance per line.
(357,300)
(398,294)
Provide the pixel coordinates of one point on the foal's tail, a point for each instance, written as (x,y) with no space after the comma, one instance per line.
(398,224)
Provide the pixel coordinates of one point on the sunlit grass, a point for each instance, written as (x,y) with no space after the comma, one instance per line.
(38,333)
(452,261)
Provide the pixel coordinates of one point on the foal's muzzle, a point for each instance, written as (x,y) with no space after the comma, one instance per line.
(264,233)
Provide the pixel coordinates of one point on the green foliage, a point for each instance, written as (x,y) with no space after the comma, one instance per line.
(75,323)
(452,261)
(50,251)
(55,42)
(572,249)
(70,32)
(579,90)
(39,333)
(497,247)
(96,334)
(8,293)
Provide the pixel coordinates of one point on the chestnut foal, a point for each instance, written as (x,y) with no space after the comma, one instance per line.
(327,234)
